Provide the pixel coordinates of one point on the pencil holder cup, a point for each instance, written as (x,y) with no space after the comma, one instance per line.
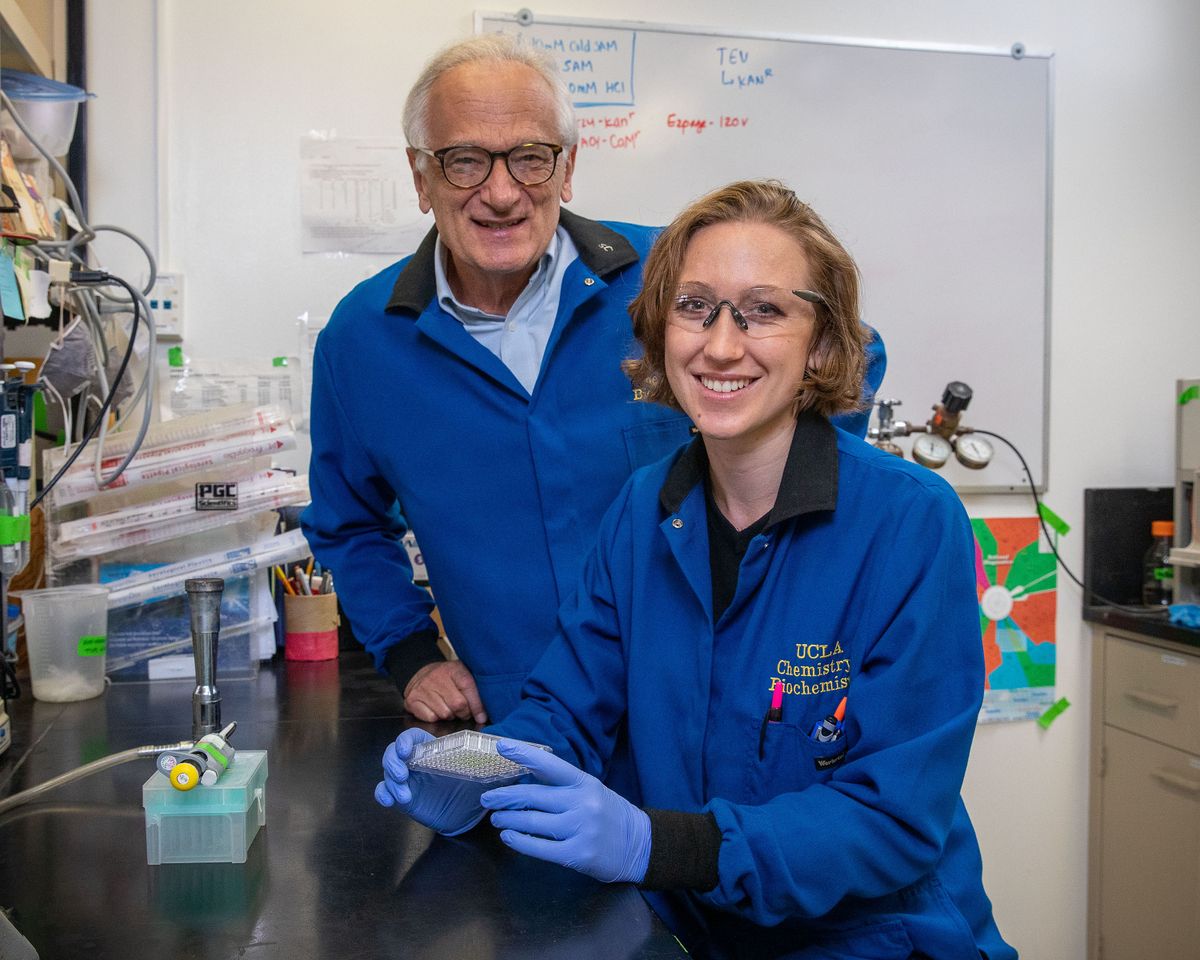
(310,627)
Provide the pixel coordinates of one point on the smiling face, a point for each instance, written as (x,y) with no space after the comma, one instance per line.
(495,232)
(737,388)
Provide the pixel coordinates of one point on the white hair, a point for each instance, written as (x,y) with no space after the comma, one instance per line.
(489,48)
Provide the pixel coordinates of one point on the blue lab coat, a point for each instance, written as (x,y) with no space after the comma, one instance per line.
(856,848)
(414,421)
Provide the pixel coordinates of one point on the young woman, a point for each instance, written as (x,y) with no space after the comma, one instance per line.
(782,617)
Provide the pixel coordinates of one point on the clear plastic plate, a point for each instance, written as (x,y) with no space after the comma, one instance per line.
(467,755)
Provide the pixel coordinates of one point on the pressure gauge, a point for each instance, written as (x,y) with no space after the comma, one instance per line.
(930,450)
(888,447)
(973,451)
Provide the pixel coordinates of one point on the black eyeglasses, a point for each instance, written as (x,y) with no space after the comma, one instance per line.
(468,166)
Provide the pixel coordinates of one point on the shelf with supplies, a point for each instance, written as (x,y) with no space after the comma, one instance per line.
(33,35)
(198,499)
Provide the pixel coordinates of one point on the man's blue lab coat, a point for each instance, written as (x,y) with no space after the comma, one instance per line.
(860,847)
(413,420)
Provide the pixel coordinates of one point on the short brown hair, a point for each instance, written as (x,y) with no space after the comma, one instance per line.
(837,356)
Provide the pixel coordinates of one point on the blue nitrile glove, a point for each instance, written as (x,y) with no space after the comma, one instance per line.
(570,818)
(445,804)
(1185,614)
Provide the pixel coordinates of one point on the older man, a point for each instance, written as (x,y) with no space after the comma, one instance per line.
(473,391)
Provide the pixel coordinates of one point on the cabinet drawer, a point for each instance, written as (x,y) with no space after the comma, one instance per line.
(1152,692)
(1149,885)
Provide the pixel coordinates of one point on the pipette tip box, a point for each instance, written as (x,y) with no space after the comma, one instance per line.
(214,824)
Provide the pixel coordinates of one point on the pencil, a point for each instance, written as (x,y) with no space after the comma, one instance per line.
(284,580)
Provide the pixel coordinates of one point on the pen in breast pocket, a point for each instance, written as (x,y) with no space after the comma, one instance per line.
(830,729)
(773,715)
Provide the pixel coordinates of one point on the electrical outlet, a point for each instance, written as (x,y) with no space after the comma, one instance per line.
(166,301)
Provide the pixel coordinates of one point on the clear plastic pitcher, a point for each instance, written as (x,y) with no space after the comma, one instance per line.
(66,633)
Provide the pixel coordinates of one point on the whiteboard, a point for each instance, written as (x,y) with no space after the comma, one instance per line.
(932,165)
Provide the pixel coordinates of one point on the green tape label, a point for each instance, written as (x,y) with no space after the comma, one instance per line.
(279,362)
(92,646)
(175,357)
(1053,520)
(14,530)
(1052,713)
(1190,394)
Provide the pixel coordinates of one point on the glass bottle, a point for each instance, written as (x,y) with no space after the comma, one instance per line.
(1158,577)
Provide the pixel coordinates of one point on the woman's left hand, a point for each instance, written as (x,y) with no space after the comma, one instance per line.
(570,818)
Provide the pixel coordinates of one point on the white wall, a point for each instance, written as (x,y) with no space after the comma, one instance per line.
(1125,248)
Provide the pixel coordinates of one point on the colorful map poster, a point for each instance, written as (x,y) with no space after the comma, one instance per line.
(1015,584)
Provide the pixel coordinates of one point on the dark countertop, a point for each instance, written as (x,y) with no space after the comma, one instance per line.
(331,875)
(1150,626)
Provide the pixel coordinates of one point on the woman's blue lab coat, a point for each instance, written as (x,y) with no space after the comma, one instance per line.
(857,848)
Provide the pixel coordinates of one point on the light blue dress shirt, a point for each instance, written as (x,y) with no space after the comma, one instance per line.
(520,338)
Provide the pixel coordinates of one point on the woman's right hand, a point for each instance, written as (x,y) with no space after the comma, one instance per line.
(395,790)
(442,804)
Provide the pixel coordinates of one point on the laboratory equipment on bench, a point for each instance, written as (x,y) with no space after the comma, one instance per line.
(10,688)
(204,604)
(211,824)
(218,822)
(203,763)
(942,435)
(16,461)
(66,640)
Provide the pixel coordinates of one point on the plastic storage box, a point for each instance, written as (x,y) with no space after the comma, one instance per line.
(48,108)
(213,824)
(134,631)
